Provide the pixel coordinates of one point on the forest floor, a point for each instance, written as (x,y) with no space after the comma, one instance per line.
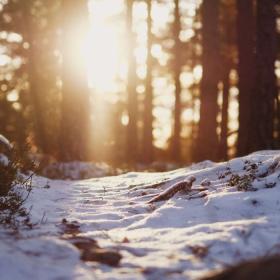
(180,224)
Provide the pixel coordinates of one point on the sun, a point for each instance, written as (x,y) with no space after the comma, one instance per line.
(105,46)
(101,48)
(103,52)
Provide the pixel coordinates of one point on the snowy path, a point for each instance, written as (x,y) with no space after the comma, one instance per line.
(180,238)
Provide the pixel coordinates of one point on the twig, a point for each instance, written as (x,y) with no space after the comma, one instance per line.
(171,191)
(43,219)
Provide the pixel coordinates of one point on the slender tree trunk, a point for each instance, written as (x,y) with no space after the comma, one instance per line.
(246,71)
(148,150)
(75,108)
(132,132)
(261,128)
(227,33)
(207,142)
(34,88)
(224,124)
(33,69)
(176,151)
(195,92)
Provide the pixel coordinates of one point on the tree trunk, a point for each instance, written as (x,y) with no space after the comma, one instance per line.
(148,151)
(33,69)
(228,58)
(132,131)
(75,110)
(207,142)
(223,154)
(246,71)
(261,127)
(176,149)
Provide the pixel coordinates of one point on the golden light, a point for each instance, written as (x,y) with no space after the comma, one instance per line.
(156,50)
(103,58)
(277,70)
(197,73)
(186,79)
(101,47)
(187,115)
(124,119)
(13,96)
(4,60)
(104,49)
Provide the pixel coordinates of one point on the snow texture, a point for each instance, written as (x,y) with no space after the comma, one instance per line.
(77,170)
(230,214)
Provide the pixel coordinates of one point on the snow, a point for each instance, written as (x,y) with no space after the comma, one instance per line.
(77,170)
(185,237)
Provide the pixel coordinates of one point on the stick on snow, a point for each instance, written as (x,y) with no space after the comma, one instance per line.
(172,190)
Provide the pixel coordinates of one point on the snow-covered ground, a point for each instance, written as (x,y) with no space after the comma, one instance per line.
(230,213)
(78,170)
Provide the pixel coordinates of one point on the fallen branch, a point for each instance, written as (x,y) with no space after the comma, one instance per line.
(172,190)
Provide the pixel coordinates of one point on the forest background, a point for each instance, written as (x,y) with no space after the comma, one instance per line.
(129,82)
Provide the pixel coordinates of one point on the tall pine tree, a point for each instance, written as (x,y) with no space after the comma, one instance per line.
(207,142)
(261,127)
(246,71)
(132,132)
(148,149)
(176,149)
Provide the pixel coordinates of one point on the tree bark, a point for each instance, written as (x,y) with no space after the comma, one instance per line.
(132,131)
(223,154)
(207,142)
(33,69)
(176,149)
(261,128)
(148,150)
(246,71)
(228,58)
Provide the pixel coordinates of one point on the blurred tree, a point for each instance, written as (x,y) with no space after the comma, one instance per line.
(228,58)
(75,108)
(40,99)
(246,71)
(207,141)
(176,145)
(33,80)
(147,148)
(132,131)
(31,35)
(261,128)
(195,56)
(12,110)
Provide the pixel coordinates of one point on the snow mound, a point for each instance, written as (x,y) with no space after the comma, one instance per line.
(215,215)
(77,170)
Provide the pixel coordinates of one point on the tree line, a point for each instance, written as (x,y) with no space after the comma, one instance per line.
(45,99)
